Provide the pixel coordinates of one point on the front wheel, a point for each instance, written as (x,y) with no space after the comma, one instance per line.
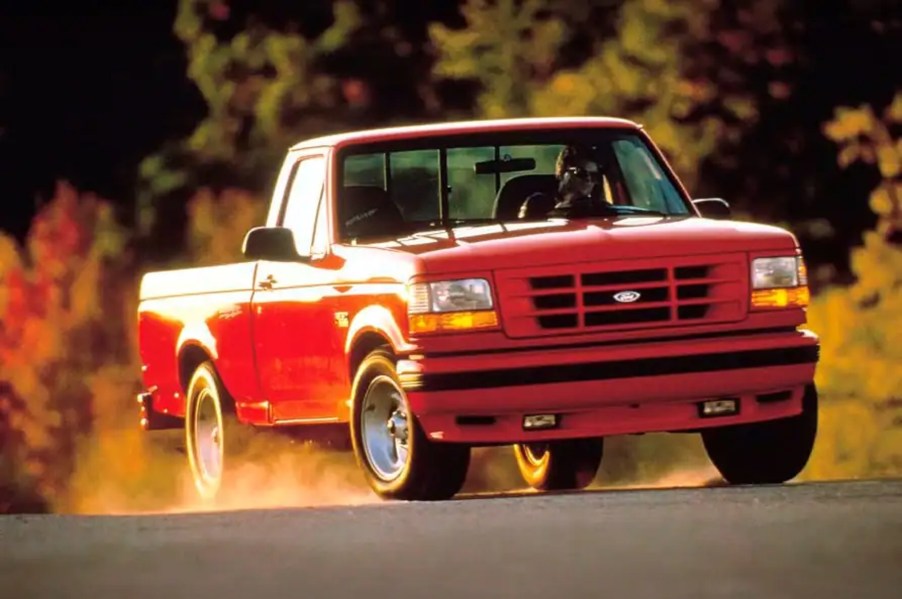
(768,452)
(397,459)
(559,465)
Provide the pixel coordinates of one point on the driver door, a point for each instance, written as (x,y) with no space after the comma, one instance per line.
(293,325)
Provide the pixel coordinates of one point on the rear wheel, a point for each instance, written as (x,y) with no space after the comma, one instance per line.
(397,459)
(210,425)
(765,452)
(559,465)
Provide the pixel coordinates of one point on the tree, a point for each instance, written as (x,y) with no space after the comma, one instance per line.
(679,68)
(60,337)
(861,325)
(272,79)
(261,86)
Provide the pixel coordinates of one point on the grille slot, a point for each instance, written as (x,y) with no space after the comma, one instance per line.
(692,291)
(691,272)
(693,312)
(598,279)
(555,301)
(554,282)
(558,321)
(595,319)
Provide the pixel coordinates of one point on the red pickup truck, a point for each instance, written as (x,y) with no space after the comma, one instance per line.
(540,283)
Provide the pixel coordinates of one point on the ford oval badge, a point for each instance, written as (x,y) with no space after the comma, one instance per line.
(626,297)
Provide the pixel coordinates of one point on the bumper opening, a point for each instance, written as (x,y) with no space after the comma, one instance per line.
(774,397)
(475,420)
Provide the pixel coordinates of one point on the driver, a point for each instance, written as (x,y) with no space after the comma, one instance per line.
(579,190)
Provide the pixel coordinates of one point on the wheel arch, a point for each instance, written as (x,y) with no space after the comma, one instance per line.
(191,356)
(372,327)
(363,344)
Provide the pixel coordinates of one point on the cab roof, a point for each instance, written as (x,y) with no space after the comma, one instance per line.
(461,128)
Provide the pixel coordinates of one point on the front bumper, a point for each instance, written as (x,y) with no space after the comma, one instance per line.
(482,397)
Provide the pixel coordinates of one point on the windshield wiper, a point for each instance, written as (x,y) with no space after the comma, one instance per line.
(623,209)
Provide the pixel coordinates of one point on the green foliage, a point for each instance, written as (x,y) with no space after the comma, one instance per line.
(263,88)
(679,68)
(508,46)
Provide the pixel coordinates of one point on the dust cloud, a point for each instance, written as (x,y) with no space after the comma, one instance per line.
(271,471)
(131,472)
(680,477)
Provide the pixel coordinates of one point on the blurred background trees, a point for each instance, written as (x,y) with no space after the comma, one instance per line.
(791,111)
(861,324)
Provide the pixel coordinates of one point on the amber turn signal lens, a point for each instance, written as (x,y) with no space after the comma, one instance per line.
(796,297)
(452,321)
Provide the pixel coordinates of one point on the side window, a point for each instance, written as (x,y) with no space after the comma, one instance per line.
(646,181)
(365,169)
(305,191)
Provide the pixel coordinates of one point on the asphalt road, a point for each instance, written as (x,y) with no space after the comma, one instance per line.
(812,540)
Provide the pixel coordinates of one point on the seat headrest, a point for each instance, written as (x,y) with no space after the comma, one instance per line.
(512,195)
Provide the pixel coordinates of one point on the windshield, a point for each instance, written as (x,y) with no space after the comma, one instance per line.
(399,188)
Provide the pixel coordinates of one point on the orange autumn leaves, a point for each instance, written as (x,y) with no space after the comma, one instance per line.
(59,327)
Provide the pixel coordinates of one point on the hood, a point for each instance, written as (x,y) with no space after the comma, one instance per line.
(511,245)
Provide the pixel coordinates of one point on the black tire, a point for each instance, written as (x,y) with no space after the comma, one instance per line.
(559,465)
(208,403)
(429,471)
(769,452)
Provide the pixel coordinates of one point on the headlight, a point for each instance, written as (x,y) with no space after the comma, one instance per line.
(769,273)
(451,305)
(779,282)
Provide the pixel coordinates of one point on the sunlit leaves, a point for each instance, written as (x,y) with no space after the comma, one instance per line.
(861,326)
(217,225)
(863,137)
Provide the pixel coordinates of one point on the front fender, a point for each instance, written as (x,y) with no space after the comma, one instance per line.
(379,320)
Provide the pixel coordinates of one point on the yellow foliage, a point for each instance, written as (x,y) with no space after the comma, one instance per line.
(860,372)
(217,225)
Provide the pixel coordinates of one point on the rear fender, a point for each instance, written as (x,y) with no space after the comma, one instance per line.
(199,335)
(196,337)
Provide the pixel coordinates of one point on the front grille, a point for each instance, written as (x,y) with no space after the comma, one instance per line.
(622,294)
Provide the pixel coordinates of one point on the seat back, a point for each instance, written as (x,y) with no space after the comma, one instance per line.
(513,193)
(367,211)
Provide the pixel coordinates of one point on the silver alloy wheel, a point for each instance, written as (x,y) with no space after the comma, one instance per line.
(385,428)
(208,438)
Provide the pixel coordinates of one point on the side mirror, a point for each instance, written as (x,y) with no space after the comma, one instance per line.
(271,243)
(713,208)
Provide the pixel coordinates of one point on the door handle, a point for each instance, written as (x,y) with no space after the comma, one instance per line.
(267,283)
